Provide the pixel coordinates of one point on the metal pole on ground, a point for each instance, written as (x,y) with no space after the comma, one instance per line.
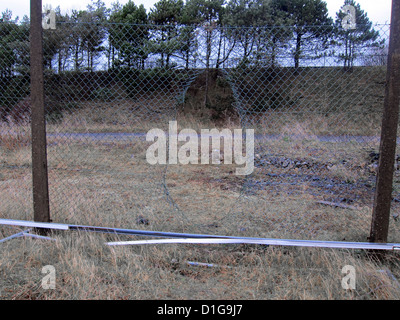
(41,209)
(384,181)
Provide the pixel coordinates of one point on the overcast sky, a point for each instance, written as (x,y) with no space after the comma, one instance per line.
(378,11)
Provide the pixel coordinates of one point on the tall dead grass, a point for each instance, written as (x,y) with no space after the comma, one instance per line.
(14,136)
(110,184)
(87,269)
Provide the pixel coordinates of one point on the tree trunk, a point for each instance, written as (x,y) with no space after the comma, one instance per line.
(59,61)
(298,51)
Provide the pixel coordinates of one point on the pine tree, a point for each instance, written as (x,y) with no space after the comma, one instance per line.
(209,14)
(310,21)
(8,30)
(129,34)
(354,41)
(166,14)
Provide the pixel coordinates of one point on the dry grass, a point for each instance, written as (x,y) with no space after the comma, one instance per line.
(86,269)
(13,136)
(109,183)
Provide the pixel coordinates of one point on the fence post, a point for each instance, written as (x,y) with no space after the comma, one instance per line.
(41,211)
(384,180)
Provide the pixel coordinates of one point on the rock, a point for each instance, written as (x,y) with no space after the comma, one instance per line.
(374,156)
(142,220)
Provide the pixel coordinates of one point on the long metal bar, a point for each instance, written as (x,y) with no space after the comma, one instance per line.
(33,224)
(41,211)
(203,238)
(157,234)
(25,234)
(36,236)
(16,235)
(384,181)
(276,242)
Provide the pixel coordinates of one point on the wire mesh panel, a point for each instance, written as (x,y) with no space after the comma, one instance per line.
(15,132)
(317,115)
(99,172)
(129,106)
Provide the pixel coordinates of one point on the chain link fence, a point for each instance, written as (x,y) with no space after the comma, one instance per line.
(313,96)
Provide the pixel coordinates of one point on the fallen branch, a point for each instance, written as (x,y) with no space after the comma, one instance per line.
(335,204)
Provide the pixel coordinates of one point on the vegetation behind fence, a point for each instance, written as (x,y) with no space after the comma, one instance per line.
(311,87)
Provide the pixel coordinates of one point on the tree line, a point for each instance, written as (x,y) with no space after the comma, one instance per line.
(191,34)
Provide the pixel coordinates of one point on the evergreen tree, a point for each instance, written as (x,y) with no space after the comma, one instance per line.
(187,35)
(166,14)
(8,30)
(244,16)
(209,14)
(355,41)
(259,29)
(129,35)
(96,15)
(310,22)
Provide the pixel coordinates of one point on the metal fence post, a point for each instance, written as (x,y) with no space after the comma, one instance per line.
(39,153)
(384,182)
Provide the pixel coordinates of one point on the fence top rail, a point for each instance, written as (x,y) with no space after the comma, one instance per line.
(32,224)
(202,238)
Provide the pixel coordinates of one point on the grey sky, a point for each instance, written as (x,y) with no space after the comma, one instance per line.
(378,11)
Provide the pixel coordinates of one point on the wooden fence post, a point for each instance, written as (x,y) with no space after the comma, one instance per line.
(384,180)
(41,210)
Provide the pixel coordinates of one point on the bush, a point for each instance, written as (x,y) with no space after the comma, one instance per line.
(103,94)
